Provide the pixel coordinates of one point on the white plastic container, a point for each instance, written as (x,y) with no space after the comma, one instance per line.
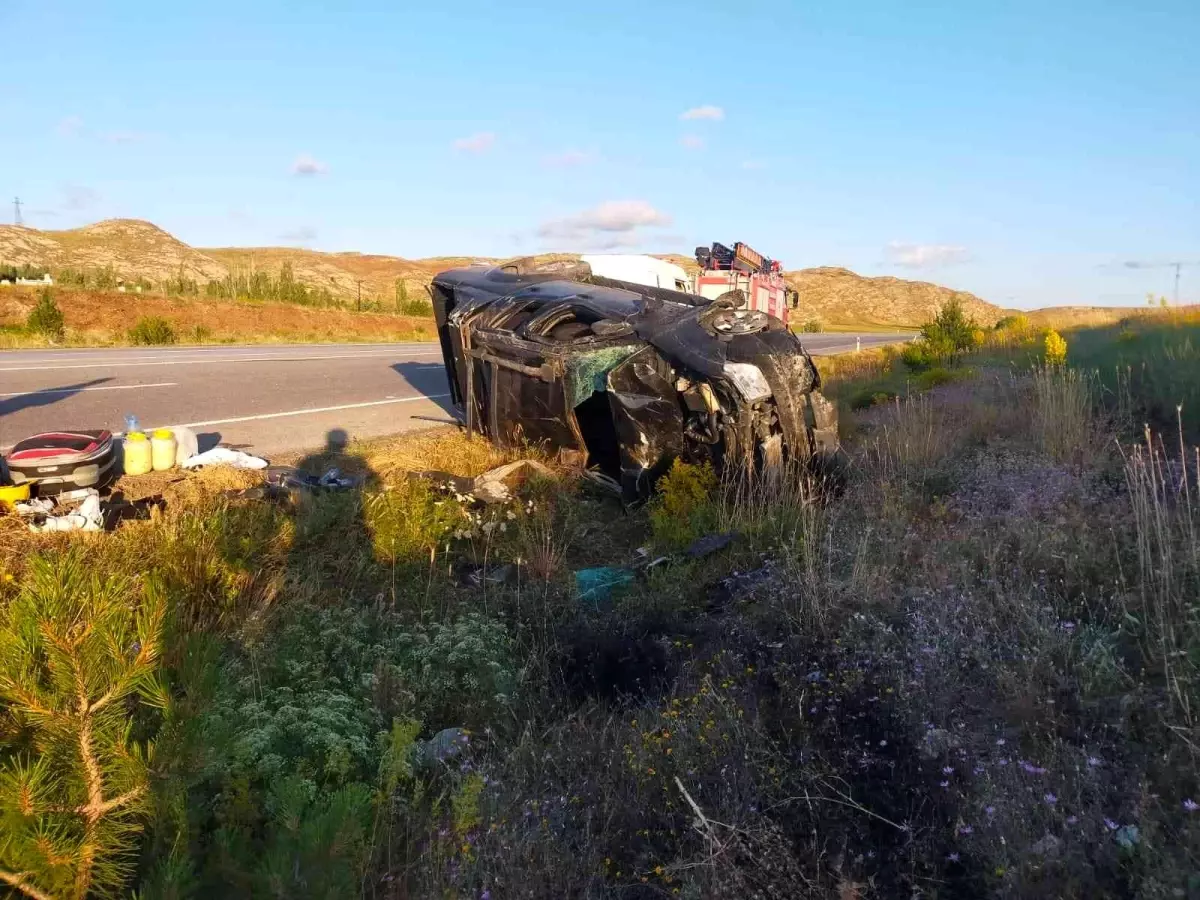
(163,447)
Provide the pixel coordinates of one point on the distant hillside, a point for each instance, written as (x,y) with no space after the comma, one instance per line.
(340,272)
(836,296)
(136,249)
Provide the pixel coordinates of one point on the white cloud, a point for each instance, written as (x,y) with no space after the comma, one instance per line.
(613,224)
(304,234)
(925,256)
(77,197)
(714,113)
(306,165)
(570,158)
(480,142)
(692,141)
(753,165)
(70,127)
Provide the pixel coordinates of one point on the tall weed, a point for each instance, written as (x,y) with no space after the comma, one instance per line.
(1164,503)
(1062,412)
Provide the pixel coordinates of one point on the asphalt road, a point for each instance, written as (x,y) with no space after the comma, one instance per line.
(272,399)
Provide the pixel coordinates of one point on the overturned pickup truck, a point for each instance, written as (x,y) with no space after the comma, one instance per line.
(625,377)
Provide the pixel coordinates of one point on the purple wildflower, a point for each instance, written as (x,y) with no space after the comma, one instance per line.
(1050,798)
(1191,805)
(1071,820)
(1000,742)
(1093,761)
(1111,825)
(486,895)
(947,770)
(1003,762)
(978,770)
(952,857)
(966,829)
(990,810)
(945,784)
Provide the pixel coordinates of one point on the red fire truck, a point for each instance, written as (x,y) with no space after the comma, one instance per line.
(743,268)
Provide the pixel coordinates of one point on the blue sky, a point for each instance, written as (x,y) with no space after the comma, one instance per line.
(1023,151)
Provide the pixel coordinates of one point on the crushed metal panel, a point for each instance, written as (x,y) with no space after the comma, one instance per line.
(648,419)
(526,409)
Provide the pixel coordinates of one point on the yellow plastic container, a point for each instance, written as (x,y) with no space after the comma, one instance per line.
(139,458)
(162,449)
(13,493)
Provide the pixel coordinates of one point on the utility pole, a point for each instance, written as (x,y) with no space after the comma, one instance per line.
(17,211)
(1178,266)
(359,283)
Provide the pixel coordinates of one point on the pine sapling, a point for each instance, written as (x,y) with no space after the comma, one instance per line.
(75,651)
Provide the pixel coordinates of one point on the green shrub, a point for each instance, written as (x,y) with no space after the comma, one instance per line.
(868,397)
(918,356)
(151,331)
(416,308)
(812,326)
(199,334)
(684,507)
(46,318)
(951,333)
(934,377)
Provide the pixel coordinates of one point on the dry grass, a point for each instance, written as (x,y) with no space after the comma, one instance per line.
(103,318)
(1063,404)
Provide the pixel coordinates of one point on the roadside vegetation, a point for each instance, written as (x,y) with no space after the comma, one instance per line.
(85,318)
(244,307)
(963,664)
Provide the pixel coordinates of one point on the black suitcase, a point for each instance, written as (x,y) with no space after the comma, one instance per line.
(58,461)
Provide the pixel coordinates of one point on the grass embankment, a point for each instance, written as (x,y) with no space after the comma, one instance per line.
(965,667)
(104,318)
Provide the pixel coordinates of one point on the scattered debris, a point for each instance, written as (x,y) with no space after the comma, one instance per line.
(446,745)
(643,561)
(496,485)
(88,517)
(493,486)
(710,544)
(224,456)
(738,585)
(480,574)
(289,479)
(597,585)
(37,506)
(117,509)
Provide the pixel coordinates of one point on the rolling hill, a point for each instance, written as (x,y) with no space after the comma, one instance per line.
(137,249)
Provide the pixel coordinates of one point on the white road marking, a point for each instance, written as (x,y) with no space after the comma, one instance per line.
(112,387)
(305,412)
(228,359)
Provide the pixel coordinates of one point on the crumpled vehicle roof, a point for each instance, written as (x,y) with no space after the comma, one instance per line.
(528,351)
